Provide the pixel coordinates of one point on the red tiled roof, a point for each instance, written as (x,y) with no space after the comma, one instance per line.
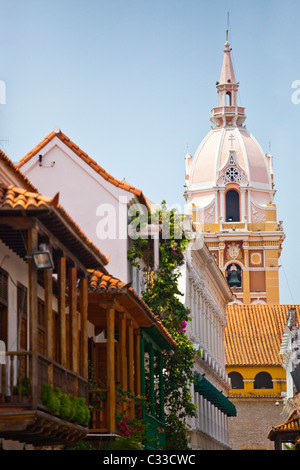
(102,283)
(17,172)
(88,160)
(13,199)
(254,333)
(291,426)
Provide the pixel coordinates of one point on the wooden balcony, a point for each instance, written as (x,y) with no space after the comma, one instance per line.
(154,437)
(23,416)
(99,417)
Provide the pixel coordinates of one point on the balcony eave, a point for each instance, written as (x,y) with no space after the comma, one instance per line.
(38,428)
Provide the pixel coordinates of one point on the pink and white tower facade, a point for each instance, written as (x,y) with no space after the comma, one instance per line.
(230,194)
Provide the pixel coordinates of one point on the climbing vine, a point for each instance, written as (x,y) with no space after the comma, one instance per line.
(162,294)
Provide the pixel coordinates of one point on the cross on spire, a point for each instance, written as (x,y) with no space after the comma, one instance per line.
(231,138)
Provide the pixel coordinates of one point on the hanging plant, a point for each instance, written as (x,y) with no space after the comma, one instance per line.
(163,297)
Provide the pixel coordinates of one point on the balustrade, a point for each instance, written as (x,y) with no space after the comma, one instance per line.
(16,381)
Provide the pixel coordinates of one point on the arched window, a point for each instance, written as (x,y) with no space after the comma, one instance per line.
(228,98)
(237,380)
(263,380)
(234,275)
(232,206)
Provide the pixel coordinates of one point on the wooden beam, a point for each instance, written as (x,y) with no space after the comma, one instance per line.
(142,371)
(151,377)
(61,282)
(58,245)
(123,352)
(161,388)
(130,359)
(111,394)
(73,319)
(83,308)
(137,362)
(130,368)
(18,223)
(49,312)
(32,245)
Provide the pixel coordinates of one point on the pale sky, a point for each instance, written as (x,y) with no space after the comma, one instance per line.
(133,81)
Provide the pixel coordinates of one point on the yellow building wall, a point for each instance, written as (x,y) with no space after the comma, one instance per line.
(248,373)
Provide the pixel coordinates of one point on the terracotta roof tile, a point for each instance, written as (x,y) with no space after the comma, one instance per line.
(13,198)
(17,172)
(80,153)
(254,333)
(291,425)
(102,283)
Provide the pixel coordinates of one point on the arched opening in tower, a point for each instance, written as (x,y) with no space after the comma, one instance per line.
(228,98)
(232,206)
(234,275)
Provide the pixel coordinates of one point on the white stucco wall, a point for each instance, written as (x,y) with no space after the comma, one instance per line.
(97,206)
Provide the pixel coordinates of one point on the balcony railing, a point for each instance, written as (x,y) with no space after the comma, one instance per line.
(17,386)
(155,429)
(23,416)
(97,402)
(155,432)
(228,110)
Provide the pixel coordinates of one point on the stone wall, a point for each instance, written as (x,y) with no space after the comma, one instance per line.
(255,417)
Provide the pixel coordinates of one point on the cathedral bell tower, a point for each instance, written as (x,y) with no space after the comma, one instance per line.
(230,194)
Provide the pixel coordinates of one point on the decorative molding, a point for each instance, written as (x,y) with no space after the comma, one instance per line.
(258,215)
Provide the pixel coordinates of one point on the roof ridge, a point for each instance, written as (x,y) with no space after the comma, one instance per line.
(16,170)
(86,158)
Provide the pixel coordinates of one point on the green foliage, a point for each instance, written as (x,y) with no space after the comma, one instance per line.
(81,445)
(163,297)
(24,387)
(131,429)
(63,405)
(123,443)
(50,399)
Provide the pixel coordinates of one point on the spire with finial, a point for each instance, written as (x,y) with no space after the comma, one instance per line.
(227,113)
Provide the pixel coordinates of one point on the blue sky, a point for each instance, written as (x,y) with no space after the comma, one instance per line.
(132,81)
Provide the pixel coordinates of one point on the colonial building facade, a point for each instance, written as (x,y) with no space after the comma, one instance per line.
(206,294)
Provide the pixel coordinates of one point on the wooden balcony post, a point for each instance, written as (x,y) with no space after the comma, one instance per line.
(49,312)
(83,307)
(111,394)
(131,367)
(61,271)
(123,352)
(142,371)
(161,388)
(32,245)
(73,319)
(151,374)
(137,363)
(130,359)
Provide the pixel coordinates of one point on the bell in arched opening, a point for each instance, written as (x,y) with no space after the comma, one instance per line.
(233,276)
